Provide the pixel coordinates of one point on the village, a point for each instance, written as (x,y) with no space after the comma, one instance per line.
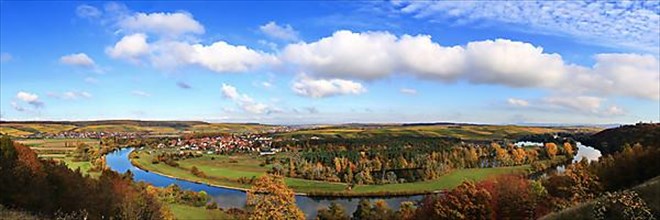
(235,143)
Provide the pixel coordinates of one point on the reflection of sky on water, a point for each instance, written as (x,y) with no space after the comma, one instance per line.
(228,198)
(587,152)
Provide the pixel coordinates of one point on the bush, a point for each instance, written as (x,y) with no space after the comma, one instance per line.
(622,205)
(212,205)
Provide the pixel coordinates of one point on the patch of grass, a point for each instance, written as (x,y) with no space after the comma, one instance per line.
(191,212)
(447,181)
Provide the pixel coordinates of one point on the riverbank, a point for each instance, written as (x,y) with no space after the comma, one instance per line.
(225,177)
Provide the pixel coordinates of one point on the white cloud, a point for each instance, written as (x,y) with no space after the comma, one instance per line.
(140,93)
(30,98)
(219,56)
(163,24)
(408,91)
(512,63)
(374,55)
(71,95)
(244,101)
(88,11)
(78,59)
(517,102)
(285,32)
(5,57)
(628,74)
(586,105)
(425,58)
(27,97)
(130,47)
(628,24)
(367,55)
(319,88)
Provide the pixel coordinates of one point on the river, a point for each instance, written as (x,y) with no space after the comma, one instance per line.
(230,198)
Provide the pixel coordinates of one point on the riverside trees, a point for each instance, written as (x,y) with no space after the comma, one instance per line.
(384,160)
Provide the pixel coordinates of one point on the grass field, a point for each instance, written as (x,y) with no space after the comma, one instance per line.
(446,181)
(60,149)
(221,171)
(185,212)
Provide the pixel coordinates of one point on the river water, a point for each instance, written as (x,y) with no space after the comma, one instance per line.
(230,198)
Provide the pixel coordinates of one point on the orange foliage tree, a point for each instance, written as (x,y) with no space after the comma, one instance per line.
(270,198)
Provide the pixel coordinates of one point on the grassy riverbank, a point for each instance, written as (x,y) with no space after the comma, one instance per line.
(191,212)
(225,170)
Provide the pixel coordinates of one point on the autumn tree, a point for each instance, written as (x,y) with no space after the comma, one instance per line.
(467,201)
(270,198)
(406,210)
(333,212)
(568,149)
(551,150)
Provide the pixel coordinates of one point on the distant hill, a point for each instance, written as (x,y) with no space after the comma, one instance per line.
(613,139)
(456,130)
(25,128)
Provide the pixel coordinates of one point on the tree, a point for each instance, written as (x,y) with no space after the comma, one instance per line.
(467,201)
(568,149)
(551,150)
(270,198)
(363,210)
(406,210)
(382,210)
(333,212)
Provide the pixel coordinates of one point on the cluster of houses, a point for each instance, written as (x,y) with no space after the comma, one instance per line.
(225,143)
(86,134)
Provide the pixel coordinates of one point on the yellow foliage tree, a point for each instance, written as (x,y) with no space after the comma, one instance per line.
(270,198)
(551,149)
(568,148)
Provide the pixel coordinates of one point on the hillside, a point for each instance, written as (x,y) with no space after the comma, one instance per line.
(463,131)
(25,128)
(613,139)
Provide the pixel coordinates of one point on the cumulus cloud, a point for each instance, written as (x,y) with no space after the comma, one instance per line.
(244,101)
(367,55)
(30,98)
(88,11)
(517,102)
(162,24)
(512,63)
(78,59)
(408,91)
(628,24)
(130,47)
(274,30)
(218,57)
(374,55)
(140,93)
(320,88)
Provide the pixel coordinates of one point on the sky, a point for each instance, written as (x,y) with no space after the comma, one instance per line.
(498,62)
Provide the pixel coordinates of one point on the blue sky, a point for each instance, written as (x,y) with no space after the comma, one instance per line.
(322,62)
